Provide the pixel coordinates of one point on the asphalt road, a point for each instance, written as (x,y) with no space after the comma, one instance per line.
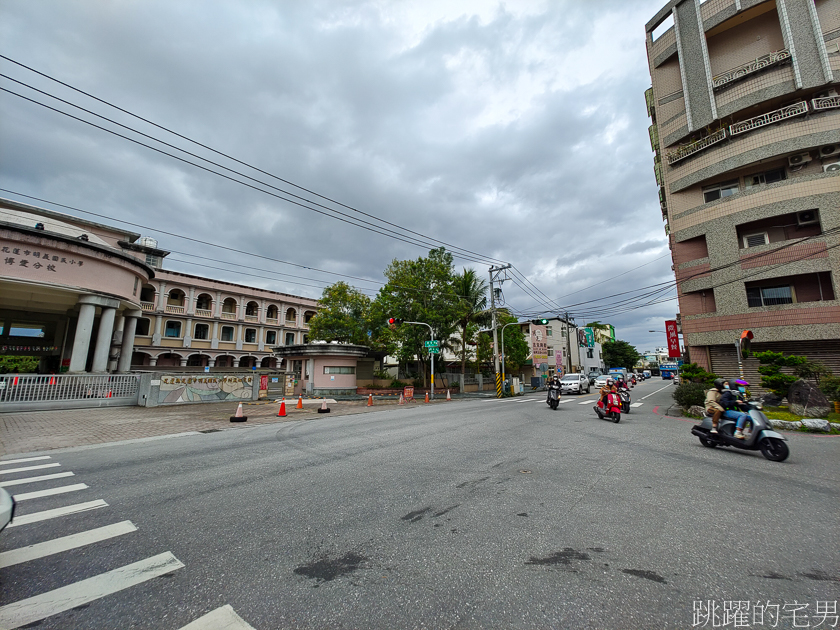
(470,514)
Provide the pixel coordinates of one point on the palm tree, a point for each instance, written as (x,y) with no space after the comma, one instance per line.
(471,308)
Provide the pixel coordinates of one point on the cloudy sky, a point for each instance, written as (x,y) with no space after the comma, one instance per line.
(513,131)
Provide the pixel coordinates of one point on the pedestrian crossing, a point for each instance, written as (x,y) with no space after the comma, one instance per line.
(36,608)
(562,401)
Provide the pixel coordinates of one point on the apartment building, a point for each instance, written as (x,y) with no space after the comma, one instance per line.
(746,139)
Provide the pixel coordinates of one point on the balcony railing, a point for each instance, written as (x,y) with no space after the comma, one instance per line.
(735,74)
(271,320)
(797,109)
(252,318)
(825,102)
(147,306)
(178,310)
(686,150)
(226,315)
(203,312)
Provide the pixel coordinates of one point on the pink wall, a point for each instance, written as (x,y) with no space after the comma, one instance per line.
(322,381)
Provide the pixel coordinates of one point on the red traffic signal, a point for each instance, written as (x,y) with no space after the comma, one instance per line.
(394,322)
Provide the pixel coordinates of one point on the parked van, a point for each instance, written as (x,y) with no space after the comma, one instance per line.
(647,374)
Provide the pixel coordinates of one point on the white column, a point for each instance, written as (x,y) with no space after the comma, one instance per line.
(241,312)
(261,338)
(240,332)
(152,361)
(157,334)
(183,362)
(191,302)
(214,340)
(188,334)
(217,306)
(103,339)
(262,311)
(162,297)
(81,342)
(127,349)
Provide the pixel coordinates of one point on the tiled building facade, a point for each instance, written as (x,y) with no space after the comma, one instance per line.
(746,136)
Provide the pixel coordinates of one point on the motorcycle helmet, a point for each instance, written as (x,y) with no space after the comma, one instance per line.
(610,382)
(719,383)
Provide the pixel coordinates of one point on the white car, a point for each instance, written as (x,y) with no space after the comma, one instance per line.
(7,508)
(574,384)
(601,381)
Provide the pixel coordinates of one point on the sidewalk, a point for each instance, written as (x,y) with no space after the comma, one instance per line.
(30,431)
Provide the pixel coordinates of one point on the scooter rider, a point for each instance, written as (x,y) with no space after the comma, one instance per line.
(554,382)
(712,404)
(603,393)
(734,409)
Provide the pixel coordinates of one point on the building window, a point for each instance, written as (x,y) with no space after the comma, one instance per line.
(173,329)
(718,191)
(250,335)
(590,353)
(754,240)
(143,327)
(271,337)
(227,333)
(548,331)
(769,296)
(767,177)
(37,331)
(306,339)
(551,352)
(290,339)
(340,369)
(202,331)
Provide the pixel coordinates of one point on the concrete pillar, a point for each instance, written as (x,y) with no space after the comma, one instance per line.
(162,297)
(152,361)
(240,332)
(103,339)
(241,313)
(190,310)
(188,333)
(214,339)
(157,334)
(211,362)
(217,305)
(116,342)
(127,348)
(235,361)
(261,338)
(183,362)
(262,311)
(81,342)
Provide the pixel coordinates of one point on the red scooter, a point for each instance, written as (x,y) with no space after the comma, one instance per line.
(613,408)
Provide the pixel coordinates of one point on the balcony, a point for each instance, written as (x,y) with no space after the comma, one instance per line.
(254,319)
(202,312)
(148,307)
(271,320)
(226,315)
(725,79)
(176,310)
(690,149)
(825,102)
(797,109)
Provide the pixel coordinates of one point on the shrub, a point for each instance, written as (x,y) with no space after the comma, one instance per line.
(395,384)
(772,377)
(830,386)
(696,374)
(688,394)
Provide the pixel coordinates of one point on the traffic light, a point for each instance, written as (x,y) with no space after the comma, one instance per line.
(393,322)
(539,322)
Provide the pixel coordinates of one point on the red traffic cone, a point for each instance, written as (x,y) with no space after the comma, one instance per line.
(110,394)
(427,396)
(282,412)
(402,400)
(324,408)
(238,416)
(370,400)
(52,380)
(300,402)
(448,397)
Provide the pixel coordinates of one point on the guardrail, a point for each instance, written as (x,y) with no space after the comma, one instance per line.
(55,391)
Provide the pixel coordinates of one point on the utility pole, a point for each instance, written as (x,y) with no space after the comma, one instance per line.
(494,275)
(568,343)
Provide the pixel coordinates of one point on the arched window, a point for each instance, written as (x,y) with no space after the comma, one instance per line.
(229,306)
(271,312)
(176,297)
(252,309)
(147,293)
(307,315)
(204,302)
(291,316)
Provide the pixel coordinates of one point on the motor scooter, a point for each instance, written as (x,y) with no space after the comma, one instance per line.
(625,400)
(759,435)
(553,398)
(612,411)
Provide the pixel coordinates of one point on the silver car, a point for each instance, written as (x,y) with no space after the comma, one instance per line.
(574,384)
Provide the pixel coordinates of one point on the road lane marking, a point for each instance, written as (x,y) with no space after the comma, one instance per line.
(637,404)
(67,597)
(565,400)
(50,547)
(26,519)
(17,482)
(657,391)
(224,618)
(25,459)
(50,491)
(586,402)
(38,467)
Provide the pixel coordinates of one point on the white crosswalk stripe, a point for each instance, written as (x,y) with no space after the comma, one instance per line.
(25,459)
(586,402)
(26,468)
(637,404)
(17,482)
(26,519)
(224,618)
(40,607)
(26,496)
(58,545)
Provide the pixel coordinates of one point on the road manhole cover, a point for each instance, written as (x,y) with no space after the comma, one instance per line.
(525,472)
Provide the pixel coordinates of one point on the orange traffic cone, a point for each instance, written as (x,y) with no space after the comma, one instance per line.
(427,396)
(448,397)
(300,402)
(324,408)
(110,394)
(402,400)
(238,416)
(282,412)
(52,380)
(370,400)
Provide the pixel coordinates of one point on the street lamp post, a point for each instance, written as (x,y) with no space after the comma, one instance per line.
(503,348)
(431,337)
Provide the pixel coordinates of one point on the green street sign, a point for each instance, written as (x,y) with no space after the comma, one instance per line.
(434,350)
(434,343)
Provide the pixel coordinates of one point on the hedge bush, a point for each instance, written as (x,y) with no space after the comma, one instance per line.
(688,394)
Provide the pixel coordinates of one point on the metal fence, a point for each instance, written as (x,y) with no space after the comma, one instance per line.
(28,391)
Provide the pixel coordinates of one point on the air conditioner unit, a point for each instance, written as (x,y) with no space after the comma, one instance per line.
(754,240)
(829,150)
(807,217)
(830,168)
(799,159)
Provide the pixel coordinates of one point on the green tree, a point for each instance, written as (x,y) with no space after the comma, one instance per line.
(18,365)
(344,316)
(420,290)
(772,377)
(515,342)
(620,354)
(693,373)
(471,311)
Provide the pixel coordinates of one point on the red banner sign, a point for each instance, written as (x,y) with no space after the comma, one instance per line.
(673,339)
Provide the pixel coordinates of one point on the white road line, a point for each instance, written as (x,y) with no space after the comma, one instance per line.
(49,492)
(26,519)
(566,400)
(224,618)
(637,404)
(657,391)
(586,402)
(38,467)
(25,459)
(67,597)
(50,547)
(17,482)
